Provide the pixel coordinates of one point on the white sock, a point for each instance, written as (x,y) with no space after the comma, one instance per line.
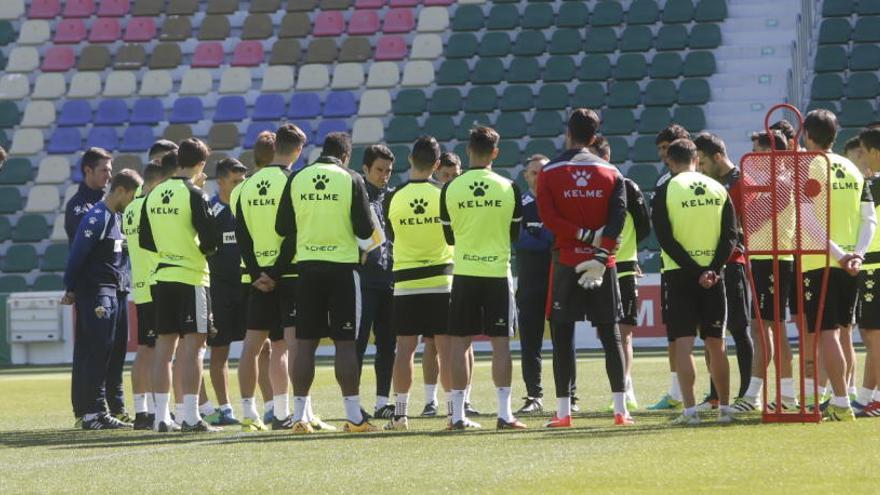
(724,408)
(630,390)
(163,415)
(381,401)
(268,406)
(467,394)
(191,409)
(449,404)
(299,408)
(401,403)
(563,407)
(842,401)
(206,408)
(151,404)
(852,391)
(352,405)
(457,406)
(863,396)
(504,409)
(619,399)
(690,411)
(310,413)
(249,408)
(178,412)
(430,393)
(755,386)
(675,388)
(140,403)
(877,394)
(281,406)
(226,407)
(787,386)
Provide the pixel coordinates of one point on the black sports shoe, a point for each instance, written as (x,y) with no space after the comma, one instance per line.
(168,427)
(385,412)
(430,409)
(144,421)
(574,407)
(104,422)
(282,424)
(199,427)
(469,410)
(457,426)
(367,416)
(533,405)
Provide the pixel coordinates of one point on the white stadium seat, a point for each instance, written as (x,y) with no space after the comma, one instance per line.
(38,114)
(156,83)
(27,142)
(23,59)
(53,170)
(14,87)
(120,84)
(277,79)
(427,47)
(84,85)
(348,76)
(419,73)
(433,19)
(383,75)
(375,103)
(312,77)
(11,9)
(49,87)
(196,82)
(34,32)
(235,80)
(42,199)
(367,131)
(58,233)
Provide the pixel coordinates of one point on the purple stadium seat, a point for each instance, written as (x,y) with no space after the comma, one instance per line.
(230,109)
(327,126)
(304,106)
(391,48)
(65,140)
(208,54)
(137,138)
(103,137)
(105,30)
(399,21)
(44,9)
(140,29)
(306,127)
(340,104)
(75,113)
(79,8)
(70,31)
(58,59)
(369,4)
(403,3)
(113,8)
(111,112)
(147,111)
(253,130)
(364,22)
(248,54)
(329,23)
(188,110)
(269,107)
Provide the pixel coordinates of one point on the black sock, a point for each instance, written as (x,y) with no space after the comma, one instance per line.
(562,334)
(744,354)
(609,335)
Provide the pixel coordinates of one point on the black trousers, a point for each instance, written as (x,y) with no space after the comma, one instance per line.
(94,352)
(533,270)
(376,310)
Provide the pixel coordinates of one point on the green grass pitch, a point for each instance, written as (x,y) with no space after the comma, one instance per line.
(41,453)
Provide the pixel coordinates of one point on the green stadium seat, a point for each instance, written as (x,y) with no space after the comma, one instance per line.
(401,152)
(540,147)
(619,149)
(55,258)
(843,136)
(643,12)
(710,11)
(10,200)
(529,43)
(855,113)
(600,40)
(16,171)
(830,58)
(468,18)
(825,105)
(645,176)
(488,71)
(624,94)
(5,229)
(650,242)
(48,282)
(827,87)
(595,68)
(537,16)
(699,64)
(653,120)
(677,11)
(691,118)
(402,130)
(409,102)
(31,228)
(868,7)
(607,13)
(644,150)
(357,157)
(559,68)
(867,30)
(468,121)
(636,39)
(588,95)
(834,32)
(631,66)
(660,93)
(547,124)
(673,37)
(837,8)
(552,97)
(502,17)
(573,14)
(495,45)
(13,283)
(9,115)
(445,101)
(862,57)
(483,99)
(566,42)
(617,121)
(694,92)
(504,172)
(511,125)
(862,85)
(7,33)
(508,155)
(440,126)
(20,258)
(462,45)
(705,36)
(667,65)
(523,70)
(453,72)
(517,98)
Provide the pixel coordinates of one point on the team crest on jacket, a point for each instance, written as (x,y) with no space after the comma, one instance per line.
(581,178)
(101,312)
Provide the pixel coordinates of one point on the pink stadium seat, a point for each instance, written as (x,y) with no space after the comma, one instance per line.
(404,3)
(330,23)
(113,8)
(70,31)
(439,2)
(391,48)
(140,29)
(399,21)
(248,54)
(364,22)
(369,4)
(58,59)
(208,54)
(105,30)
(44,9)
(79,8)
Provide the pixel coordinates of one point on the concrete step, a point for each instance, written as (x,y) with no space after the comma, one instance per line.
(736,52)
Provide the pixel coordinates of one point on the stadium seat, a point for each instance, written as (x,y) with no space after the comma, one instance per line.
(329,23)
(416,73)
(257,27)
(529,43)
(302,6)
(691,118)
(433,20)
(671,37)
(868,7)
(402,130)
(705,36)
(248,54)
(75,113)
(852,114)
(623,94)
(653,119)
(23,59)
(56,59)
(235,80)
(214,28)
(208,54)
(327,126)
(482,99)
(494,44)
(177,132)
(255,128)
(313,77)
(187,110)
(113,8)
(375,103)
(383,75)
(595,68)
(826,87)
(398,21)
(53,170)
(348,76)
(862,85)
(38,114)
(560,68)
(340,104)
(426,47)
(512,125)
(70,31)
(285,52)
(391,48)
(522,70)
(12,9)
(537,16)
(677,11)
(166,56)
(48,282)
(94,58)
(120,84)
(223,137)
(508,156)
(16,86)
(862,57)
(552,97)
(636,39)
(16,171)
(600,40)
(196,82)
(31,228)
(643,12)
(607,13)
(63,141)
(295,26)
(44,9)
(156,83)
(830,59)
(356,49)
(589,95)
(132,56)
(42,199)
(660,93)
(367,131)
(363,22)
(105,30)
(409,102)
(10,200)
(147,111)
(277,78)
(9,114)
(546,123)
(834,32)
(369,4)
(666,66)
(233,109)
(694,92)
(616,121)
(19,259)
(176,29)
(304,106)
(266,107)
(103,137)
(699,64)
(79,8)
(566,42)
(335,4)
(468,18)
(441,127)
(867,30)
(137,138)
(111,112)
(33,32)
(502,17)
(453,72)
(5,228)
(468,121)
(464,45)
(322,51)
(631,66)
(645,175)
(445,101)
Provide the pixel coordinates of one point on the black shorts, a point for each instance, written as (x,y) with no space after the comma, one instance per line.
(629,299)
(737,298)
(146,315)
(182,309)
(273,311)
(230,313)
(571,302)
(420,314)
(868,310)
(481,306)
(840,299)
(692,307)
(330,303)
(762,273)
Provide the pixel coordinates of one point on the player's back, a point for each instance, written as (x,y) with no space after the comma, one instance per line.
(143,262)
(695,205)
(257,204)
(169,208)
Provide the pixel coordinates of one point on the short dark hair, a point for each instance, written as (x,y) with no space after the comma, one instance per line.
(337,145)
(681,152)
(671,133)
(870,138)
(288,138)
(450,159)
(583,124)
(264,148)
(192,152)
(169,163)
(601,147)
(709,144)
(153,172)
(229,165)
(126,179)
(425,153)
(161,147)
(852,143)
(820,125)
(483,140)
(92,157)
(785,127)
(376,151)
(780,142)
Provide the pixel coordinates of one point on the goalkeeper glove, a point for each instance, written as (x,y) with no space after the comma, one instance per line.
(592,271)
(591,237)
